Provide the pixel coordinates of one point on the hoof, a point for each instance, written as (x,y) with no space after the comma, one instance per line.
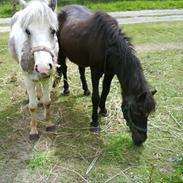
(34,137)
(103,113)
(50,128)
(87,92)
(94,129)
(66,92)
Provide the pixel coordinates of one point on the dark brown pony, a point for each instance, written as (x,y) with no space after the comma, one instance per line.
(95,40)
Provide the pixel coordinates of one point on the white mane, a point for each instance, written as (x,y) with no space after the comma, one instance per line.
(39,12)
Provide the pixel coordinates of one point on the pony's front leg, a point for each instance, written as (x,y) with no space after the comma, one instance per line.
(46,100)
(95,100)
(30,86)
(105,91)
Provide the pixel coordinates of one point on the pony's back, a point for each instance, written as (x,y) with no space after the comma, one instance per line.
(77,12)
(79,26)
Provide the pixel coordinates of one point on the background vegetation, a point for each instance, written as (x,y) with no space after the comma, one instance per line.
(106,5)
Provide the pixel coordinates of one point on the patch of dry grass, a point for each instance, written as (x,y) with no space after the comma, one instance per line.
(72,153)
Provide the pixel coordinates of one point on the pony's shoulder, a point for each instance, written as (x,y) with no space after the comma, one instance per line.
(74,12)
(76,9)
(105,17)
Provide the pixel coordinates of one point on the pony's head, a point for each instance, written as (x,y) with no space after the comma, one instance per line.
(136,111)
(38,23)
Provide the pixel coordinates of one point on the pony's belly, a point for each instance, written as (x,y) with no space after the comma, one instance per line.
(84,62)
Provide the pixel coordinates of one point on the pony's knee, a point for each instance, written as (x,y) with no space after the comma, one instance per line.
(32,106)
(46,102)
(33,110)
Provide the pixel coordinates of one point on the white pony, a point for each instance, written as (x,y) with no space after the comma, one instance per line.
(33,44)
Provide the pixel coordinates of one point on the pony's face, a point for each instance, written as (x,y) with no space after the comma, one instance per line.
(44,47)
(39,25)
(136,111)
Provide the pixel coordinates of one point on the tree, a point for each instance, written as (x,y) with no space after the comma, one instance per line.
(14,6)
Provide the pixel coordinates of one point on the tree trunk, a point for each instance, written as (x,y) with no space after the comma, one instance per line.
(14,6)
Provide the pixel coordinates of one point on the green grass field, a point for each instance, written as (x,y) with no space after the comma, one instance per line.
(107,5)
(75,155)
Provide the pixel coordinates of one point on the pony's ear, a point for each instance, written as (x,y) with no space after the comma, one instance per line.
(52,4)
(153,91)
(23,4)
(141,97)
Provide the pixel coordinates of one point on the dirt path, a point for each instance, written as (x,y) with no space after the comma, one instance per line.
(130,17)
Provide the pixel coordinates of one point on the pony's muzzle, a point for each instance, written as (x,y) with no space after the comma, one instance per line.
(44,59)
(138,137)
(44,69)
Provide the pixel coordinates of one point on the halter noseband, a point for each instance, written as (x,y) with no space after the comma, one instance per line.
(43,48)
(127,110)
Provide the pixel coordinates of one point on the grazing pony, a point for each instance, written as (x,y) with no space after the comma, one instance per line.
(95,40)
(33,43)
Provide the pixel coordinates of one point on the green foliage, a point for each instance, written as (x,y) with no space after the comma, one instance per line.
(106,5)
(40,160)
(178,176)
(135,5)
(116,148)
(6,10)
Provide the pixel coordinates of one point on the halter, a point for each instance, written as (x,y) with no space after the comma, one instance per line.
(43,48)
(127,110)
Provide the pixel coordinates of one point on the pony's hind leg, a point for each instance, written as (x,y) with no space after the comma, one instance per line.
(105,91)
(61,61)
(83,81)
(57,77)
(62,70)
(46,100)
(30,86)
(66,85)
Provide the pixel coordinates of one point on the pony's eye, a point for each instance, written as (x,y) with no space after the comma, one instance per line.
(53,31)
(27,32)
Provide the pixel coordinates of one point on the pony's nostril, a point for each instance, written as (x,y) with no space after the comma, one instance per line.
(50,65)
(36,68)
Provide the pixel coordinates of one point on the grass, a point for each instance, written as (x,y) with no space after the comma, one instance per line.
(6,10)
(136,5)
(73,154)
(108,5)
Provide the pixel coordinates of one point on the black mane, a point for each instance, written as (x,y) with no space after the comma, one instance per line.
(118,48)
(108,27)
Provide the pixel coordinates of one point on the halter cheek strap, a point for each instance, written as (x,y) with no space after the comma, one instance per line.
(43,48)
(127,110)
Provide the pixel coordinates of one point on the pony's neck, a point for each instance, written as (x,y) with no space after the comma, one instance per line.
(131,76)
